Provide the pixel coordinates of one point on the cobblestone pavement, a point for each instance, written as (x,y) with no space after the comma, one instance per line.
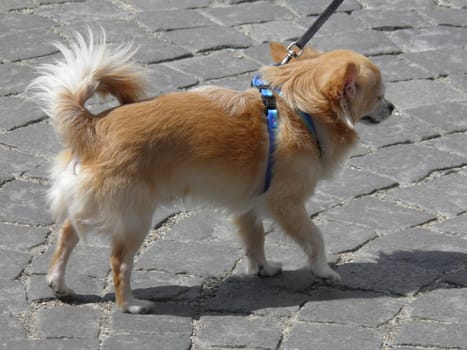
(394,219)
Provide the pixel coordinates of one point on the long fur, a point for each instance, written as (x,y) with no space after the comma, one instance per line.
(208,143)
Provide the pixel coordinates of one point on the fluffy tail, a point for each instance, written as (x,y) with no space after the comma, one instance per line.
(88,67)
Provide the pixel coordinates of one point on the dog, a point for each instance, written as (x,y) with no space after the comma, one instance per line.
(209,143)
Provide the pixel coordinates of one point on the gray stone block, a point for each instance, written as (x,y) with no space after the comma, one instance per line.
(386,276)
(459,81)
(449,191)
(47,344)
(254,295)
(439,62)
(14,164)
(307,8)
(273,31)
(337,23)
(149,48)
(198,259)
(350,183)
(11,328)
(454,143)
(24,203)
(438,38)
(399,128)
(68,321)
(454,226)
(146,342)
(87,288)
(38,139)
(304,336)
(164,79)
(442,305)
(10,5)
(13,263)
(147,5)
(320,201)
(22,237)
(167,20)
(217,65)
(244,13)
(34,43)
(72,12)
(16,113)
(458,278)
(394,68)
(208,226)
(208,38)
(415,93)
(407,163)
(350,307)
(400,4)
(238,332)
(156,285)
(377,214)
(13,298)
(417,247)
(448,117)
(391,19)
(447,16)
(20,22)
(340,237)
(84,261)
(432,334)
(162,324)
(367,43)
(15,77)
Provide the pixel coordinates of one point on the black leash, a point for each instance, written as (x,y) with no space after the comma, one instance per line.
(295,49)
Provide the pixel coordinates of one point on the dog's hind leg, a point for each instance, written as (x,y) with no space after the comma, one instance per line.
(251,233)
(295,221)
(66,241)
(121,262)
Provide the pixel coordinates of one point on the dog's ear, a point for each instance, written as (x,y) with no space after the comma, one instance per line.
(279,52)
(343,82)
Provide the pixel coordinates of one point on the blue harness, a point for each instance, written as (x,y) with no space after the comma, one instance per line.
(271,114)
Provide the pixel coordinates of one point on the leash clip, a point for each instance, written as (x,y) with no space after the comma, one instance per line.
(293,51)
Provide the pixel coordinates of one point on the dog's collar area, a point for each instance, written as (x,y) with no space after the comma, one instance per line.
(310,125)
(271,113)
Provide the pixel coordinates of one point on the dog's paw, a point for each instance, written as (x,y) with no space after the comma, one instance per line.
(325,272)
(137,306)
(60,290)
(265,270)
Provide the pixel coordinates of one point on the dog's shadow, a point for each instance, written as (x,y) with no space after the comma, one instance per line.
(398,274)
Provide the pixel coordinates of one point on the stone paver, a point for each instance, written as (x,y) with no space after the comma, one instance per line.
(393,219)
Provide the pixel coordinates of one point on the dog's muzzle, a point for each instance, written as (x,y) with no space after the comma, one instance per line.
(383,111)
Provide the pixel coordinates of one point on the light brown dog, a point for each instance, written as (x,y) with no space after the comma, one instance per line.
(209,143)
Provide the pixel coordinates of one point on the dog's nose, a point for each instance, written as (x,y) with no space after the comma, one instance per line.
(391,107)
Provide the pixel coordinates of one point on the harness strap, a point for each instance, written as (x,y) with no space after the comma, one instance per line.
(271,114)
(310,125)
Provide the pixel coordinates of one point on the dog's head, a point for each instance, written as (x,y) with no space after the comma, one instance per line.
(339,84)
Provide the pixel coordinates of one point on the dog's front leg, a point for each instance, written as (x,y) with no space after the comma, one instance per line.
(251,232)
(121,262)
(295,221)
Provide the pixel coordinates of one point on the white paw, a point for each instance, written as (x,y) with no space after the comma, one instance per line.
(325,272)
(60,289)
(137,306)
(265,270)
